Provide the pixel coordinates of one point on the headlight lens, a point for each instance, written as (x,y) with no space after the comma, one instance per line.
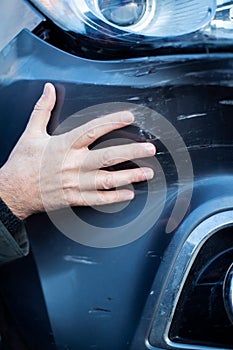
(122,13)
(120,18)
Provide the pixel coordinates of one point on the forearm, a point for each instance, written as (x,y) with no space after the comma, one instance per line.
(9,193)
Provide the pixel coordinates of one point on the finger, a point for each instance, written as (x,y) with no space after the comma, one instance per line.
(91,198)
(86,134)
(60,97)
(117,154)
(107,180)
(104,180)
(42,110)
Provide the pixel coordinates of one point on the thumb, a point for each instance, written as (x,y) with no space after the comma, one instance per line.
(42,110)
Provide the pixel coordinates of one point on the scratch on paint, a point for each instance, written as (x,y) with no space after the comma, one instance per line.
(152,254)
(80,260)
(161,153)
(226,102)
(136,98)
(184,117)
(99,311)
(206,146)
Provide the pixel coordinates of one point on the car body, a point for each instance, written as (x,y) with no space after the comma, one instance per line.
(170,285)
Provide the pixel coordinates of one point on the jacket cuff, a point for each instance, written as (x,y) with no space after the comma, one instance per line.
(11,221)
(13,237)
(12,248)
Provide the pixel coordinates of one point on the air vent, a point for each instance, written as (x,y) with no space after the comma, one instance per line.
(202,316)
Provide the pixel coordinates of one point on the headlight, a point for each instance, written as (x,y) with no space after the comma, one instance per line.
(128,18)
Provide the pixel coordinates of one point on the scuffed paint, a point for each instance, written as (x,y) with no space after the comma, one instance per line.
(80,260)
(190,116)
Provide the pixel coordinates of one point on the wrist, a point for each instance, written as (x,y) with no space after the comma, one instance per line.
(10,195)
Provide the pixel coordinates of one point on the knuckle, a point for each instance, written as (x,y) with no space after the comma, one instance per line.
(90,130)
(107,181)
(40,103)
(68,197)
(106,197)
(68,184)
(140,175)
(106,158)
(115,197)
(73,198)
(40,106)
(101,199)
(134,177)
(43,104)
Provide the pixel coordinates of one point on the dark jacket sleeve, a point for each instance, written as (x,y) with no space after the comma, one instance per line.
(13,238)
(12,247)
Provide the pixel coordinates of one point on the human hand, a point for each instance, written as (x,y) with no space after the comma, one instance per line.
(72,175)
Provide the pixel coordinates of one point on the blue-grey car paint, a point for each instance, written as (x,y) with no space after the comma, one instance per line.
(94,298)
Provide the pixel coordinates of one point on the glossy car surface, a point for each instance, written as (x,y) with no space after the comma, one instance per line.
(165,290)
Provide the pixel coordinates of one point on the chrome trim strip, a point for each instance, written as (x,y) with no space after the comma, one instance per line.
(228,292)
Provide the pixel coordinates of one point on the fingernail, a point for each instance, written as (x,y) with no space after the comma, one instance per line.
(129,196)
(150,148)
(127,117)
(149,174)
(46,89)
